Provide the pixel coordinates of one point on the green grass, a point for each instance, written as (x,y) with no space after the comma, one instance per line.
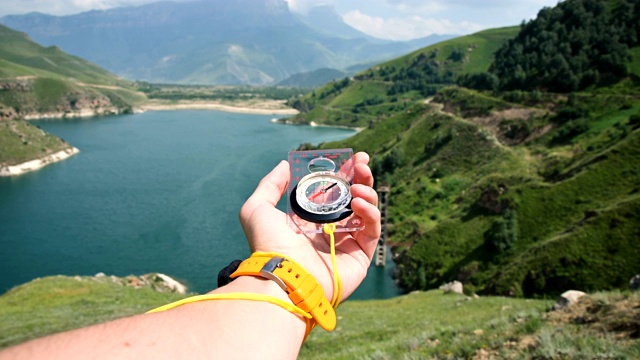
(21,56)
(432,325)
(634,66)
(420,325)
(570,198)
(333,105)
(478,47)
(21,142)
(60,303)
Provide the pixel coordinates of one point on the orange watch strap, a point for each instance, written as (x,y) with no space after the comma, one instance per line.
(303,289)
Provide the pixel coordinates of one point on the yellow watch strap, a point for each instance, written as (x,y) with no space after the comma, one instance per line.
(303,289)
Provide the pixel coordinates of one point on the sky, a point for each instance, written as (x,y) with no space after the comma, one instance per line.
(387,19)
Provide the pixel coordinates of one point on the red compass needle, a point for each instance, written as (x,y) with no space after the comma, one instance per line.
(322,191)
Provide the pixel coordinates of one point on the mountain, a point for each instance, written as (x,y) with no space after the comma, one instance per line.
(206,41)
(497,182)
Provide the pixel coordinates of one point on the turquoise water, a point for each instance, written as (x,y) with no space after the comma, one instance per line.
(151,192)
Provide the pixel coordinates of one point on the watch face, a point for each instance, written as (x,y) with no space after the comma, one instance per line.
(322,197)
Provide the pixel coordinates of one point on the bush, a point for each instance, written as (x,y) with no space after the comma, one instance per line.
(634,120)
(504,233)
(570,130)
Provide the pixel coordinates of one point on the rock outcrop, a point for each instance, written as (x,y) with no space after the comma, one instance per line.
(567,299)
(157,281)
(453,287)
(634,283)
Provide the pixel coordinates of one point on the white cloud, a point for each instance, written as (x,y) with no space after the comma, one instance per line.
(303,6)
(406,28)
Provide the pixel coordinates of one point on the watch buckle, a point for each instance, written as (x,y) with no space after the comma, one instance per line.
(268,269)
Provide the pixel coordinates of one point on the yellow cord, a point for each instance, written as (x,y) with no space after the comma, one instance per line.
(337,282)
(335,300)
(235,296)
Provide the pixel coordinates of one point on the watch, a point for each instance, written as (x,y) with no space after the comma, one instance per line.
(303,289)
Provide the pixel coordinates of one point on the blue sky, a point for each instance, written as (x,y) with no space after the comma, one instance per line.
(391,19)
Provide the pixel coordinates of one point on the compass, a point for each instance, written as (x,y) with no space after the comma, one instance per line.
(322,197)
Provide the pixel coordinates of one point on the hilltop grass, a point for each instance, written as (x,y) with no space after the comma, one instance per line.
(477,49)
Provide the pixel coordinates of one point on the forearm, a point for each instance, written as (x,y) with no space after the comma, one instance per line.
(214,329)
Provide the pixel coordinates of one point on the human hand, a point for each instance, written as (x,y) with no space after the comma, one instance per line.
(267,230)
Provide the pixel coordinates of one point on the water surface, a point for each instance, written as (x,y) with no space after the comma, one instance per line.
(151,192)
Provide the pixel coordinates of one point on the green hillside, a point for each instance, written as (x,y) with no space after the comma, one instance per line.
(512,192)
(414,326)
(22,57)
(392,86)
(37,81)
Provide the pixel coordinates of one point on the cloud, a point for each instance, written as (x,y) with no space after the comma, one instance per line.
(406,28)
(303,6)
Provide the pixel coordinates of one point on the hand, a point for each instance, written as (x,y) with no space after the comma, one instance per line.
(267,230)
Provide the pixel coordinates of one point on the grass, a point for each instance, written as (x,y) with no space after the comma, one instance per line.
(634,67)
(420,325)
(433,325)
(21,56)
(21,142)
(479,49)
(53,304)
(572,193)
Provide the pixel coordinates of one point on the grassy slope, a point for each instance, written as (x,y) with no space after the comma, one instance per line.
(572,232)
(21,142)
(22,57)
(44,80)
(54,78)
(479,47)
(333,106)
(414,326)
(572,184)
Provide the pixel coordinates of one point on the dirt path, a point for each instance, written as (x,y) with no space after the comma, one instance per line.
(491,132)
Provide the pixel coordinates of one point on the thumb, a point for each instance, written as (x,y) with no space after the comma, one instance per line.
(268,192)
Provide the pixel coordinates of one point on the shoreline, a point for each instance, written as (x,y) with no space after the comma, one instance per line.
(37,164)
(218,107)
(315,124)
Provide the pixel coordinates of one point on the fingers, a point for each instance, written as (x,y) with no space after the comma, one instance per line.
(269,190)
(363,175)
(361,158)
(365,192)
(362,172)
(370,214)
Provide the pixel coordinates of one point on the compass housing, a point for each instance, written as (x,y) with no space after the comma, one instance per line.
(322,197)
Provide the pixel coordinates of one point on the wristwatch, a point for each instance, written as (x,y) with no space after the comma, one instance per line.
(303,289)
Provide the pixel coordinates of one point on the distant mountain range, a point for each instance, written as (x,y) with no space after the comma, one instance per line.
(254,42)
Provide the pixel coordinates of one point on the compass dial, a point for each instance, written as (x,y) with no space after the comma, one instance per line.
(322,197)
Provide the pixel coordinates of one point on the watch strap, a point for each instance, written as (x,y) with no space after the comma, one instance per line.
(303,289)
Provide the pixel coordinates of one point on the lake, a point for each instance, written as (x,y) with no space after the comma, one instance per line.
(152,192)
